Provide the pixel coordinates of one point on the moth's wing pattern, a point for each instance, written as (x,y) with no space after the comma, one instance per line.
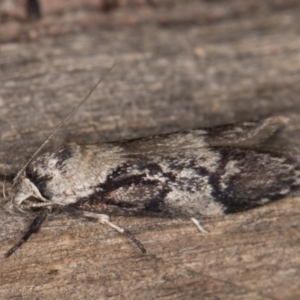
(245,134)
(208,171)
(245,179)
(182,174)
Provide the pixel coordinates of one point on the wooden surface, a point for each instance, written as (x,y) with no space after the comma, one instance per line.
(166,78)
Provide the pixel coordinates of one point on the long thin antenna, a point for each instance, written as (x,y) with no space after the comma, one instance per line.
(63,122)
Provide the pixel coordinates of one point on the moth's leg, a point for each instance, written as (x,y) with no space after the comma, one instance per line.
(33,228)
(245,134)
(104,219)
(3,191)
(199,226)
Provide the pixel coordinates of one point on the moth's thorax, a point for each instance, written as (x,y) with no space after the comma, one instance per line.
(63,176)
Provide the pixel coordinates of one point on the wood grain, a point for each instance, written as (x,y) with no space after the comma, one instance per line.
(165,79)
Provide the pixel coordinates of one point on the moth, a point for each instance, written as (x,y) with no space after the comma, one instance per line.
(203,172)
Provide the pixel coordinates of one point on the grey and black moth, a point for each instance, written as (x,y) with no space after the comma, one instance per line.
(204,172)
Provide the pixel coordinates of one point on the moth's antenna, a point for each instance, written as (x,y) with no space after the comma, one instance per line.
(63,122)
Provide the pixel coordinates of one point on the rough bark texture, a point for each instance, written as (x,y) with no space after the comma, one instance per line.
(166,78)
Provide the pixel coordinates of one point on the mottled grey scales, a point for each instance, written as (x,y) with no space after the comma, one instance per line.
(204,172)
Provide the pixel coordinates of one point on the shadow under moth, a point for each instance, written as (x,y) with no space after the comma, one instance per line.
(204,172)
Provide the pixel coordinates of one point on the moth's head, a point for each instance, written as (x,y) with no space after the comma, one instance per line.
(32,187)
(26,196)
